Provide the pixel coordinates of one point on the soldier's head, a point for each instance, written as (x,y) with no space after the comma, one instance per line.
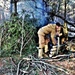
(58,26)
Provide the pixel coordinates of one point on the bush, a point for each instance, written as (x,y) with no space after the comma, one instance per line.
(18,35)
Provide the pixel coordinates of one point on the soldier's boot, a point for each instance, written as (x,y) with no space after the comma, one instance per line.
(40,53)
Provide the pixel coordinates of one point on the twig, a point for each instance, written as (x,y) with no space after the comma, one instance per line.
(18,67)
(22,38)
(25,72)
(58,56)
(27,41)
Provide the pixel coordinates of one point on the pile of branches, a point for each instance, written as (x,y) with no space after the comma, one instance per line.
(35,66)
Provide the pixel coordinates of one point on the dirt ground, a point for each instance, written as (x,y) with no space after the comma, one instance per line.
(68,64)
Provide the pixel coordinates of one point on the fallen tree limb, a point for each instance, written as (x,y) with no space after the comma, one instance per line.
(41,64)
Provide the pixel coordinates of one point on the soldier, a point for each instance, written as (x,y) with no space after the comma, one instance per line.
(52,29)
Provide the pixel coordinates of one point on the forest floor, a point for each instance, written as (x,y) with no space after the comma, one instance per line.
(67,64)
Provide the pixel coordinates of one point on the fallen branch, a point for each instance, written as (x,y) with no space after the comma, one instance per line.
(43,64)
